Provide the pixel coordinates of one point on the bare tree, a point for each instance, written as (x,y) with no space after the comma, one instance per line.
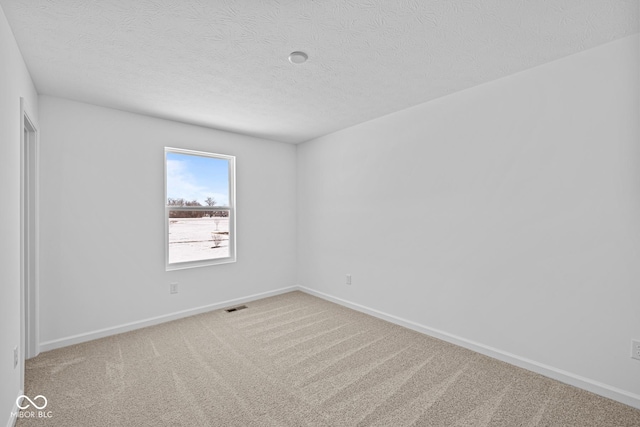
(210,201)
(217,239)
(184,214)
(175,202)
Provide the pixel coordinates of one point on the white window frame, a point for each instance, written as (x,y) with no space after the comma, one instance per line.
(231,208)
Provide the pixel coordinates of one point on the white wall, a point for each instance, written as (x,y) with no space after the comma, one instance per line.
(507,215)
(15,82)
(102,219)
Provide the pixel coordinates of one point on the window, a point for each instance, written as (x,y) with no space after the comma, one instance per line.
(199,208)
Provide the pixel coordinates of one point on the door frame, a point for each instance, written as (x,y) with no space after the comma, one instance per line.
(29,237)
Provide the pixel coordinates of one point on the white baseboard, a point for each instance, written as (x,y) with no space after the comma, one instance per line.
(13,416)
(596,387)
(101,333)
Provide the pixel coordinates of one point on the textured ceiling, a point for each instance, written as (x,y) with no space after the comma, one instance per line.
(223,63)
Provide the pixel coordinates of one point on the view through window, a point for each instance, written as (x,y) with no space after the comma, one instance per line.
(199,211)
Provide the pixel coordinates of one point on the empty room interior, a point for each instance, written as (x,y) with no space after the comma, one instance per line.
(323,213)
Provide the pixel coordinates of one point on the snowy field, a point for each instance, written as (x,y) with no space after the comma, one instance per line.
(192,239)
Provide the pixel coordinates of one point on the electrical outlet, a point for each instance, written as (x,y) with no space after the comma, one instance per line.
(15,357)
(173,288)
(348,279)
(635,349)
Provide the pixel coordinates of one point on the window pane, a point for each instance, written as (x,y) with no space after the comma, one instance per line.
(197,180)
(196,237)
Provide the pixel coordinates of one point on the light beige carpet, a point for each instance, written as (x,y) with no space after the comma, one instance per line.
(296,360)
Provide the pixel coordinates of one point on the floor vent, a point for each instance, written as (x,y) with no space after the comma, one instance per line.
(240,307)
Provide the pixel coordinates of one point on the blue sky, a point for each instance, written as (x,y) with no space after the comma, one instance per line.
(197,177)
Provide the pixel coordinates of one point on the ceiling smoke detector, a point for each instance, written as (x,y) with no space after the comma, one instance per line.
(298,57)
